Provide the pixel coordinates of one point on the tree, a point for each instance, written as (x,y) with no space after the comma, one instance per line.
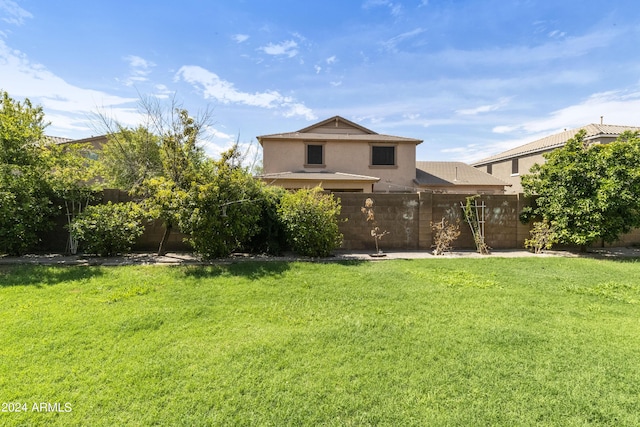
(72,177)
(161,159)
(26,207)
(130,156)
(21,132)
(222,210)
(587,192)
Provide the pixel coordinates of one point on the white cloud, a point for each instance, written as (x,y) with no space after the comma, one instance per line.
(288,48)
(331,60)
(564,48)
(317,68)
(58,98)
(240,38)
(557,34)
(225,92)
(617,107)
(502,102)
(12,13)
(393,42)
(394,8)
(140,68)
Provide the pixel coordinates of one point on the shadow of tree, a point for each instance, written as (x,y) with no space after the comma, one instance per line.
(44,275)
(253,269)
(249,269)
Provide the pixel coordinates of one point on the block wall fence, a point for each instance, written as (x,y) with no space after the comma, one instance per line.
(407,217)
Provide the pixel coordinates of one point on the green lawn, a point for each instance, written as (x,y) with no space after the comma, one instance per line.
(469,342)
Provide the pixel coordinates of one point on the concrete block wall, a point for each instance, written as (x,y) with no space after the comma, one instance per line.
(408,218)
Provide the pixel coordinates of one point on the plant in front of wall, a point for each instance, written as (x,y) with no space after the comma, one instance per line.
(444,234)
(476,223)
(543,236)
(376,232)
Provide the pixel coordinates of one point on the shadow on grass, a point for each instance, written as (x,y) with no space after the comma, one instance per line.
(254,269)
(43,275)
(249,269)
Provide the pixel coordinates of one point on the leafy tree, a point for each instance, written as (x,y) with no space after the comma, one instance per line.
(311,221)
(163,159)
(221,211)
(587,193)
(25,199)
(73,180)
(21,132)
(130,156)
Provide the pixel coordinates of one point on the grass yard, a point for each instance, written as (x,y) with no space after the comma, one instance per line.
(491,341)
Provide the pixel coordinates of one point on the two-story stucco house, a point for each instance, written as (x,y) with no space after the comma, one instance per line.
(509,165)
(339,155)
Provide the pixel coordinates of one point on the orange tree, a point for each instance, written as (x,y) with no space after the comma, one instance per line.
(586,192)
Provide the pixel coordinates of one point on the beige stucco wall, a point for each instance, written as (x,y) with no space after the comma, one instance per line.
(347,157)
(502,170)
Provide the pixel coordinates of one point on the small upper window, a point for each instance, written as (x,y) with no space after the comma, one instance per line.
(514,167)
(315,154)
(490,168)
(383,156)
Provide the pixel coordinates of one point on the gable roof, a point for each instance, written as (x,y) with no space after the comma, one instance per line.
(558,140)
(452,174)
(337,124)
(337,128)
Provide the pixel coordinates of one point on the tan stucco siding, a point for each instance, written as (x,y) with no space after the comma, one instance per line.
(344,156)
(502,170)
(283,156)
(398,178)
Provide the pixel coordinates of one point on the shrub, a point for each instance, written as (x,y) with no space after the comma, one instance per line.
(271,237)
(222,214)
(543,236)
(444,234)
(311,221)
(109,229)
(26,210)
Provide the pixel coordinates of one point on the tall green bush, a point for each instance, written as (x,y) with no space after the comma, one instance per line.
(311,221)
(222,212)
(109,229)
(271,237)
(26,206)
(26,209)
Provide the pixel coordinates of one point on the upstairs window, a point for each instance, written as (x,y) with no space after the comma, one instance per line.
(514,167)
(315,154)
(490,169)
(383,155)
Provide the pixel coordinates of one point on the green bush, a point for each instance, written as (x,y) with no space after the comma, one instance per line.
(311,220)
(109,229)
(271,237)
(222,214)
(26,209)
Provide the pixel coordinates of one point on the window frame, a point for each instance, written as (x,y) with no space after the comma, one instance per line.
(515,167)
(309,144)
(375,146)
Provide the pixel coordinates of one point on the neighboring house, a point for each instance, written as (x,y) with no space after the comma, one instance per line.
(456,177)
(509,165)
(339,155)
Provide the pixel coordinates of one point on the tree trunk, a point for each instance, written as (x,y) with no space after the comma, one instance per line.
(162,250)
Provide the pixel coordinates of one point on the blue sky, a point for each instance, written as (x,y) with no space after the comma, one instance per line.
(470,78)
